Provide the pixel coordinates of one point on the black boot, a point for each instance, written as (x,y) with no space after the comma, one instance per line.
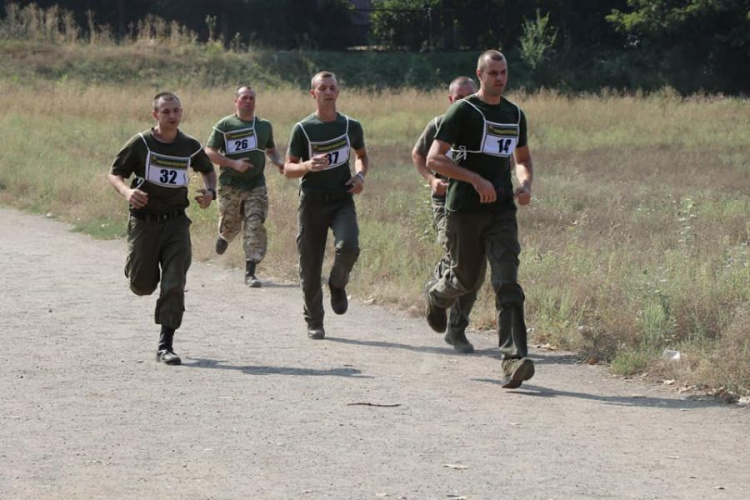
(165,354)
(250,279)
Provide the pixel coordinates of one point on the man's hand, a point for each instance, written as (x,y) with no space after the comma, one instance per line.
(242,165)
(357,184)
(318,163)
(136,198)
(204,198)
(438,186)
(522,195)
(485,189)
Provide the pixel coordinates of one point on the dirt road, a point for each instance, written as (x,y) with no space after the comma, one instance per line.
(260,411)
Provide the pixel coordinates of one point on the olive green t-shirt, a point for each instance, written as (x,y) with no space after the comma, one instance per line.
(482,138)
(167,190)
(235,139)
(424,143)
(338,139)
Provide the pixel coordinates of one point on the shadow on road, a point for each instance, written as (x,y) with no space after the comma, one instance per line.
(275,370)
(645,401)
(442,348)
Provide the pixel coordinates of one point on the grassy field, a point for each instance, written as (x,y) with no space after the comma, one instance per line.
(636,240)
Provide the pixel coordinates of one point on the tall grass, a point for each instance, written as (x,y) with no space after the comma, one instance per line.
(636,240)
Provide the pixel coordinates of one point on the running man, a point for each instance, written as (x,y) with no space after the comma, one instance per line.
(159,248)
(459,314)
(485,132)
(320,149)
(238,144)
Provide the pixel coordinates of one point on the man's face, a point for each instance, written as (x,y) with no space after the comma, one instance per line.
(244,103)
(461,91)
(493,77)
(325,92)
(168,113)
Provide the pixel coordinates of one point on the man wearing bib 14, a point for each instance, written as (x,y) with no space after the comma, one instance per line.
(319,151)
(159,249)
(459,314)
(238,144)
(482,132)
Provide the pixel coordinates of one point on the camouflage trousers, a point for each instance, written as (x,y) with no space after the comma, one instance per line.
(246,211)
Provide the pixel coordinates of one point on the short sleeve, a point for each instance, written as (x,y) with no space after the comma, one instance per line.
(298,146)
(127,160)
(356,135)
(216,138)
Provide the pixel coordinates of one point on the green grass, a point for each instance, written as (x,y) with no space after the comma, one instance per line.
(636,239)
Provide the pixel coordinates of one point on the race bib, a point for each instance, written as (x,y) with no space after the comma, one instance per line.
(167,171)
(500,139)
(240,141)
(337,151)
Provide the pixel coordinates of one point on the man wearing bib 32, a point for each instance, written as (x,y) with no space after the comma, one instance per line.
(159,249)
(483,131)
(320,149)
(239,144)
(459,314)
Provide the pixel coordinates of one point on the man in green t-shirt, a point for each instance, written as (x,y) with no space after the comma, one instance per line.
(238,144)
(320,148)
(485,132)
(159,249)
(459,313)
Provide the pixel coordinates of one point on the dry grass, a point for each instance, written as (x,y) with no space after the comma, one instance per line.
(637,239)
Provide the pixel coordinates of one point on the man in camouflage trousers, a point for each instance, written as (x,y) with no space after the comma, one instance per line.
(459,88)
(238,144)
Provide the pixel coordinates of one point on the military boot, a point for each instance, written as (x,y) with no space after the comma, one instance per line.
(165,354)
(250,279)
(459,342)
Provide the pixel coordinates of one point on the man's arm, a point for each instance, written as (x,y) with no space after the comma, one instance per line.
(135,197)
(206,196)
(361,166)
(438,186)
(524,175)
(294,168)
(438,162)
(275,157)
(241,165)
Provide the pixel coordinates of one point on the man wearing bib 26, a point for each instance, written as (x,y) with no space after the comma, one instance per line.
(483,132)
(459,314)
(238,144)
(159,248)
(320,148)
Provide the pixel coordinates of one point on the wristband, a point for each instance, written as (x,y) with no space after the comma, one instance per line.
(213,193)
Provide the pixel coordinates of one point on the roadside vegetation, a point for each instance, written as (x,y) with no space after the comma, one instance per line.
(637,239)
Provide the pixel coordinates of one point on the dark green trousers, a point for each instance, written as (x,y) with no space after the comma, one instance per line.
(473,240)
(160,253)
(458,316)
(317,214)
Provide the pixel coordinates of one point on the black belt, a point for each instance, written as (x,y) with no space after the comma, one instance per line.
(323,196)
(160,217)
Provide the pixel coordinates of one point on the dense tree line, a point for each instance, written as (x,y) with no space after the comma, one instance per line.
(689,44)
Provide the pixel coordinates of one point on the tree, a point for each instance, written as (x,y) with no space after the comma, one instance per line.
(705,42)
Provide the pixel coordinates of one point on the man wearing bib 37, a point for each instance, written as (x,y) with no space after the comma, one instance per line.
(159,249)
(459,314)
(238,144)
(320,148)
(482,132)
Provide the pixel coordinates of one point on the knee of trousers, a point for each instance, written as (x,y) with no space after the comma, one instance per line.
(509,294)
(143,288)
(347,250)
